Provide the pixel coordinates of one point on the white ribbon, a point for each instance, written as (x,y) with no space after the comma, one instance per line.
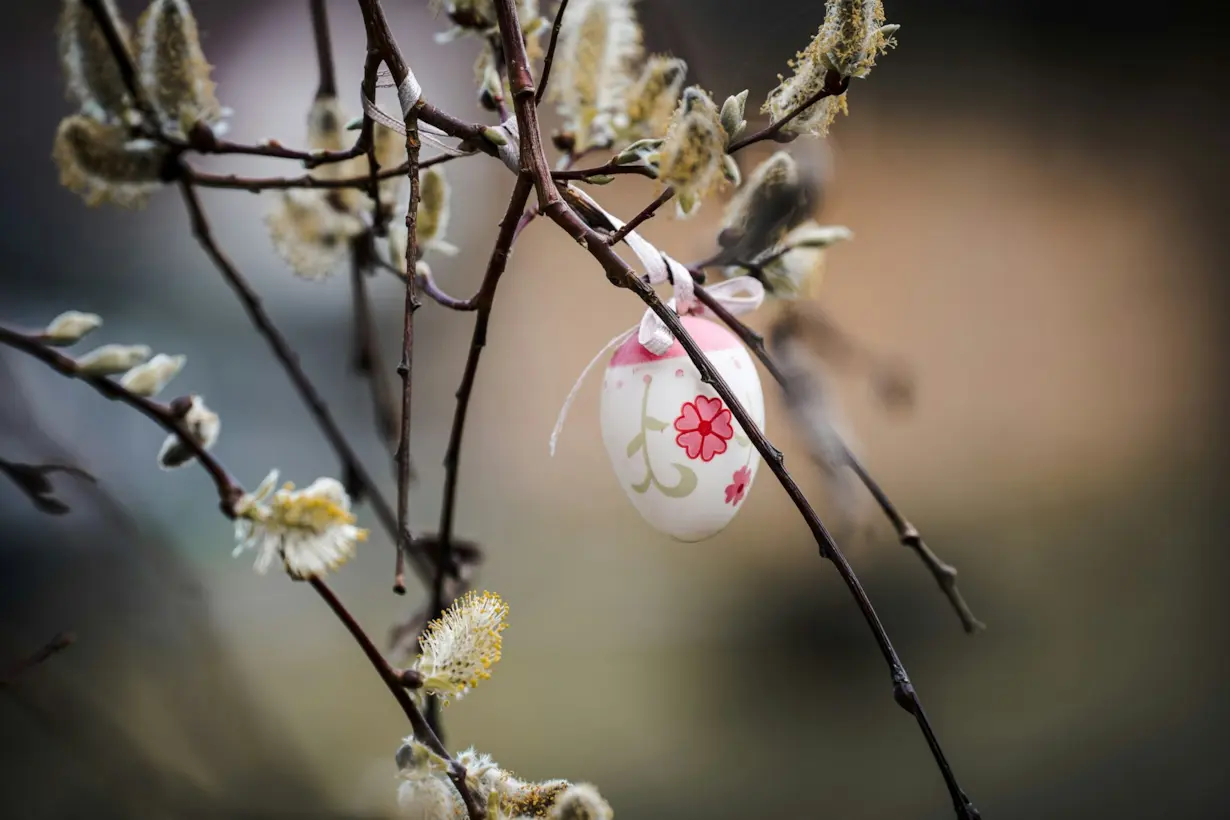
(727,294)
(409,92)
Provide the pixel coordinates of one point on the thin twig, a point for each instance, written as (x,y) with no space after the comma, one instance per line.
(550,58)
(324,49)
(945,575)
(256,185)
(486,297)
(644,216)
(404,367)
(53,647)
(368,360)
(163,415)
(380,41)
(834,85)
(534,160)
(428,283)
(393,680)
(32,479)
(352,465)
(607,169)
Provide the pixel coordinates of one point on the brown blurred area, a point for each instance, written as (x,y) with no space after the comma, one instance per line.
(1035,192)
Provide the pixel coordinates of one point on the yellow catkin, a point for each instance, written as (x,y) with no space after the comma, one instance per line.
(173,66)
(90,70)
(98,162)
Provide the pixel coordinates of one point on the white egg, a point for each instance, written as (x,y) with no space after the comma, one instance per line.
(683,460)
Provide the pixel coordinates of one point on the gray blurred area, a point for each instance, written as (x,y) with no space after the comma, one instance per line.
(1036,191)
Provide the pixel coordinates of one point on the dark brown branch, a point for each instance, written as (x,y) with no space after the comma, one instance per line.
(433,290)
(32,479)
(404,367)
(618,272)
(368,361)
(644,216)
(485,299)
(396,684)
(165,416)
(351,463)
(945,575)
(256,185)
(53,647)
(324,49)
(550,58)
(606,169)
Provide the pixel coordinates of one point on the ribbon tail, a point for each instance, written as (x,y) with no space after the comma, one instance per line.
(576,388)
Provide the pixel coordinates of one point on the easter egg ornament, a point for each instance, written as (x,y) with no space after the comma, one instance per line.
(684,462)
(679,454)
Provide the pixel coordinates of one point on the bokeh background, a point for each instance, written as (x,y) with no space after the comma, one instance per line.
(1036,191)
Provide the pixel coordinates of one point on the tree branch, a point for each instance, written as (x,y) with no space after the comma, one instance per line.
(395,683)
(534,159)
(945,575)
(644,216)
(168,417)
(550,58)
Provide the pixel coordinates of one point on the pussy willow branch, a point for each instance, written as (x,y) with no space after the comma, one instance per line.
(396,684)
(405,366)
(368,360)
(609,168)
(258,184)
(161,414)
(485,299)
(945,575)
(53,647)
(550,58)
(286,356)
(230,491)
(252,303)
(534,160)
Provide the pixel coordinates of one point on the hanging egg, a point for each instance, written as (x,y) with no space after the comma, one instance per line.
(678,452)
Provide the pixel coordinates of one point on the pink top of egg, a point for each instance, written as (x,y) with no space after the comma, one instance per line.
(709,335)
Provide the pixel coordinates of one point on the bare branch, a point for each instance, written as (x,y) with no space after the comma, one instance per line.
(164,415)
(53,647)
(550,58)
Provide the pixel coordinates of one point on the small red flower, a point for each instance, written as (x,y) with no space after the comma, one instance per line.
(704,428)
(736,490)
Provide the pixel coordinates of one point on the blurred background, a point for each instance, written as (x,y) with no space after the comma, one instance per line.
(1036,193)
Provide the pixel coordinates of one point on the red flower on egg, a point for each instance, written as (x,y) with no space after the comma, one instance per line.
(704,428)
(738,485)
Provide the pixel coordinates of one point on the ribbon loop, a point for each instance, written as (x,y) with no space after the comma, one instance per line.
(740,295)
